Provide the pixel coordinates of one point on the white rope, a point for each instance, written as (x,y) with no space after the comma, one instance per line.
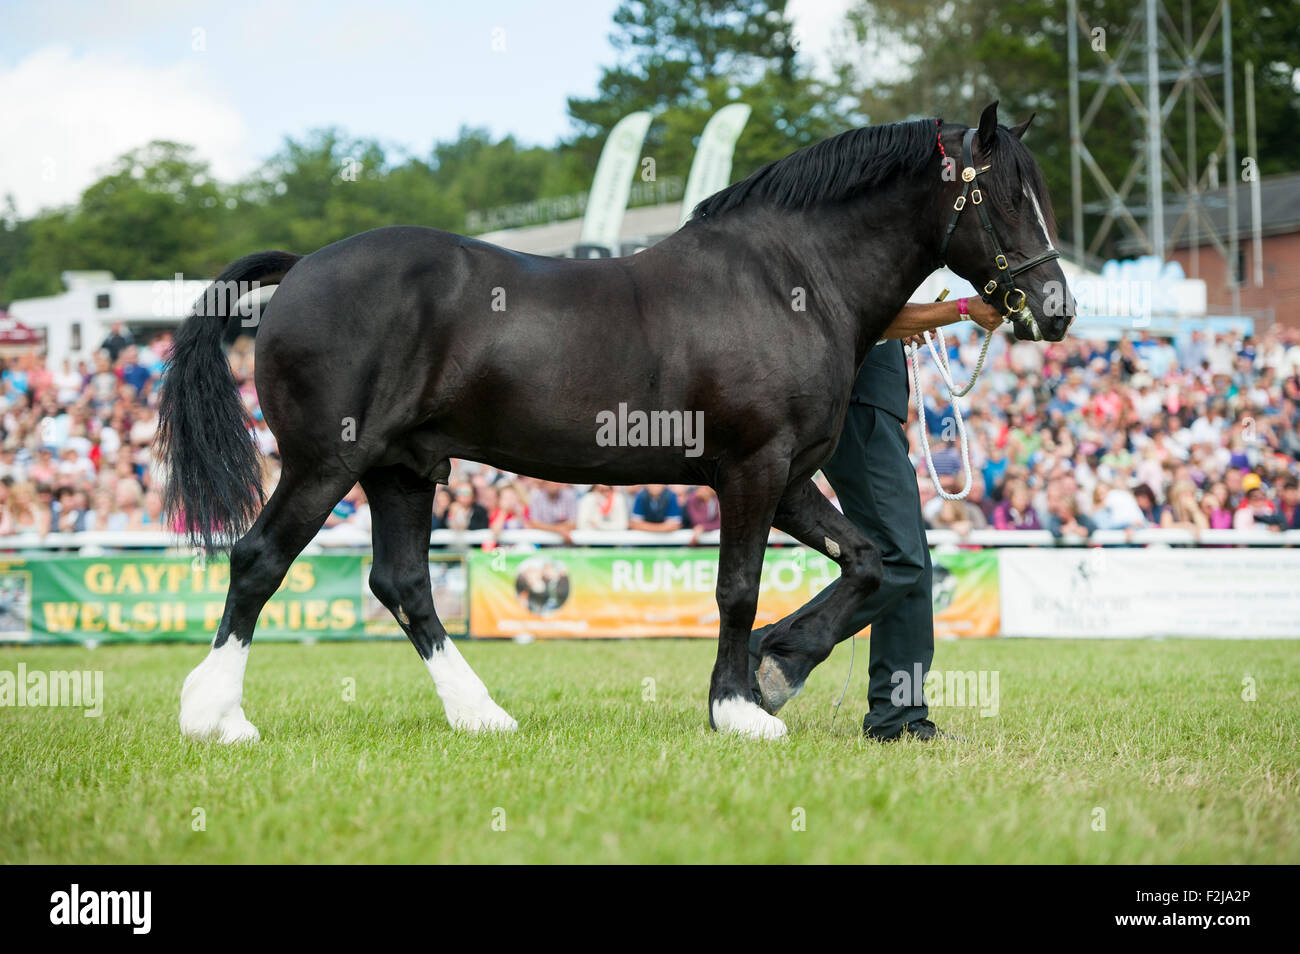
(941,360)
(945,371)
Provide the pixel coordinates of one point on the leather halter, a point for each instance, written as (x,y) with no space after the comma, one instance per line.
(1005,279)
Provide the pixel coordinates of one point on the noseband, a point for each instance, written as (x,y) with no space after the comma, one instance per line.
(1013,298)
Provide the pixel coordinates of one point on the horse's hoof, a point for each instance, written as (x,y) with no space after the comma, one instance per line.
(238,729)
(774,687)
(742,717)
(488,717)
(211,697)
(228,729)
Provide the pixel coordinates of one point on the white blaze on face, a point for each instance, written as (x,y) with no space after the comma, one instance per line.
(1038,213)
(1025,314)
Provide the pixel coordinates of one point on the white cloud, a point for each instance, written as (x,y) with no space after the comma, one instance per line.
(66,117)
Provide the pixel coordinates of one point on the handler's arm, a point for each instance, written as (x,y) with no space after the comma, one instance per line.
(926,316)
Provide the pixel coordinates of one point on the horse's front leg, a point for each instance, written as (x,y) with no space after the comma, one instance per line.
(748,498)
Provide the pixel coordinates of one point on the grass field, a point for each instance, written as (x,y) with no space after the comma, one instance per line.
(1155,734)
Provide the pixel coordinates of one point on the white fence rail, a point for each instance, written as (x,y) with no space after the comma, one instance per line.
(90,543)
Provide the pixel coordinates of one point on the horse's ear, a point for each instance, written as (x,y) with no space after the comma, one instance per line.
(988,128)
(1019,131)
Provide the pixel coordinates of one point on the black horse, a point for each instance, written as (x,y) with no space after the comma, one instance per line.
(382,357)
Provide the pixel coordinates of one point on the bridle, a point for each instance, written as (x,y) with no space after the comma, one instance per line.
(1013,303)
(1005,279)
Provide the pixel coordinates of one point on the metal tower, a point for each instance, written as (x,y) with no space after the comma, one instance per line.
(1171,63)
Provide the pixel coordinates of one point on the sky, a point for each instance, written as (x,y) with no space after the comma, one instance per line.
(82,82)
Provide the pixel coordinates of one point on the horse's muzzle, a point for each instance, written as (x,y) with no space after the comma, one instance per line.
(1025,326)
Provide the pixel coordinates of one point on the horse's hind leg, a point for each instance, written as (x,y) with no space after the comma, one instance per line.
(212,696)
(791,647)
(401,508)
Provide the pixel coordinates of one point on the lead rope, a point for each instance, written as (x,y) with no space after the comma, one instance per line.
(941,361)
(853,648)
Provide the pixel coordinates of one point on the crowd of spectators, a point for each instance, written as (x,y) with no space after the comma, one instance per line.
(483,498)
(1070,437)
(1084,435)
(76,443)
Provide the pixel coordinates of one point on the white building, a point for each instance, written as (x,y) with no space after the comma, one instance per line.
(77,321)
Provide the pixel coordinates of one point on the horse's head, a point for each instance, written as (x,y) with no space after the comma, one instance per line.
(999,228)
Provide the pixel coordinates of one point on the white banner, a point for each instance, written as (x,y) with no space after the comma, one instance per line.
(711,168)
(603,219)
(1219,593)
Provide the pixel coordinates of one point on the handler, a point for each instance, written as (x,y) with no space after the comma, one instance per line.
(877,489)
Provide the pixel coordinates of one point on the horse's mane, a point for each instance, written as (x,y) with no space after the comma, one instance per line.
(854,161)
(833,169)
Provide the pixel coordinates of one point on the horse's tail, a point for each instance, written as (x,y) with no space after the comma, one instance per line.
(214,476)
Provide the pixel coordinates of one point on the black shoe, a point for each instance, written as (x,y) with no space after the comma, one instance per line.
(922,730)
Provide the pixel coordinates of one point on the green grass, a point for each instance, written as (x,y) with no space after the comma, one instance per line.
(1155,733)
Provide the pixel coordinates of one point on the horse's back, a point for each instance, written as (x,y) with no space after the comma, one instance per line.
(420,324)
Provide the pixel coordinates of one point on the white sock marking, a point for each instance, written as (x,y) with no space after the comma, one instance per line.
(738,715)
(212,695)
(466,699)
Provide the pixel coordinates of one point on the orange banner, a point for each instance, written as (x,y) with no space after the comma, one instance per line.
(670,592)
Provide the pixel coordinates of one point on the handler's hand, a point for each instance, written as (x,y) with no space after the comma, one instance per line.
(984,314)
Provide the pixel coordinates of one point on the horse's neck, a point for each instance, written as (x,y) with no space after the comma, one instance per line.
(857,262)
(877,251)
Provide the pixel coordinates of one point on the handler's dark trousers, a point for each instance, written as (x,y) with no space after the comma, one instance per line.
(876,485)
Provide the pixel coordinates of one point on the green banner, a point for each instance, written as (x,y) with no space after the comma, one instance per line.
(157,598)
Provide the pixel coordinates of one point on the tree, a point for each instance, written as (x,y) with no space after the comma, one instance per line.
(481,174)
(316,191)
(17,277)
(156,211)
(952,61)
(684,59)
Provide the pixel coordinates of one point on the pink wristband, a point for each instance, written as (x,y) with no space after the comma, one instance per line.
(961,308)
